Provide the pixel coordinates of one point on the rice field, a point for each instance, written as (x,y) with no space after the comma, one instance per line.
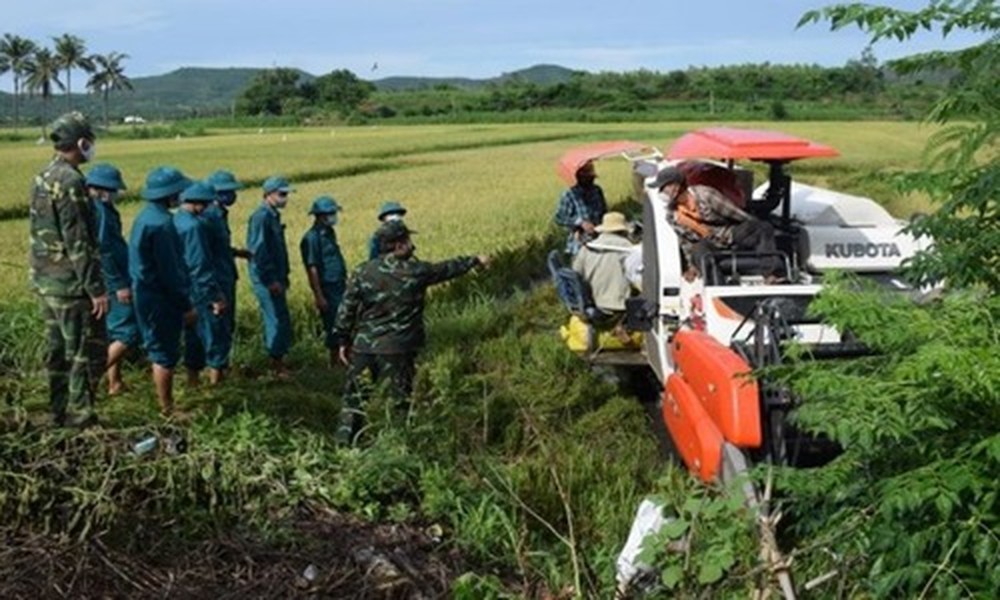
(470,189)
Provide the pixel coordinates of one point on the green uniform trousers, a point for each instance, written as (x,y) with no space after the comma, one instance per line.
(397,368)
(75,357)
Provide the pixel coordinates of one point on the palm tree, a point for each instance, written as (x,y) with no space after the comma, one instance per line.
(16,52)
(108,74)
(71,53)
(42,75)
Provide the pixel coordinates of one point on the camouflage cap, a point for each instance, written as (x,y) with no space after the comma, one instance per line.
(70,127)
(391,232)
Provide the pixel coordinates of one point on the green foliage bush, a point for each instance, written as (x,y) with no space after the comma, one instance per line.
(911,506)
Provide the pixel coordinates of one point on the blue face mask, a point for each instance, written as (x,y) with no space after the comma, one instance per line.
(330,220)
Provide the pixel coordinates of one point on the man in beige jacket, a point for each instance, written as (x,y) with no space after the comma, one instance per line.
(601,263)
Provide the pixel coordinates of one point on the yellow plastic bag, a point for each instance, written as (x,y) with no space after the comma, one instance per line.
(581,336)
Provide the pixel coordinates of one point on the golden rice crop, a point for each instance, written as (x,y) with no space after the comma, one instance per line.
(470,189)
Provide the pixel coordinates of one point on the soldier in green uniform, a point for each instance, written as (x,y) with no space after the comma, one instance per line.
(380,324)
(269,271)
(224,257)
(160,281)
(389,211)
(104,183)
(206,293)
(65,259)
(325,267)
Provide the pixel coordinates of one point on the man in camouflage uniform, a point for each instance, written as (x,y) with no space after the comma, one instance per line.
(383,313)
(65,261)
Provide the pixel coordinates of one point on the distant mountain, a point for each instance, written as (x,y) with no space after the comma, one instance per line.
(199,91)
(541,74)
(538,74)
(192,86)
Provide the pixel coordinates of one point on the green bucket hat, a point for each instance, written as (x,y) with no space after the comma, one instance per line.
(390,207)
(277,183)
(163,182)
(105,176)
(224,181)
(324,205)
(199,191)
(70,127)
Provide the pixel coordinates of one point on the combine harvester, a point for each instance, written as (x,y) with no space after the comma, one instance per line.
(703,337)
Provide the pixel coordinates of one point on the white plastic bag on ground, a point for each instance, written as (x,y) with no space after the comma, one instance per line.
(648,520)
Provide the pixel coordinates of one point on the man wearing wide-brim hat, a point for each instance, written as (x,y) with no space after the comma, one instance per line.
(601,263)
(325,267)
(160,282)
(269,271)
(104,184)
(391,210)
(207,296)
(65,262)
(224,255)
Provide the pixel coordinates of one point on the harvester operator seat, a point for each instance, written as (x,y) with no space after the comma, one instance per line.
(728,267)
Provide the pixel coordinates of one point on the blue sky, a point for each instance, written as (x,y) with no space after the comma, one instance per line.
(450,37)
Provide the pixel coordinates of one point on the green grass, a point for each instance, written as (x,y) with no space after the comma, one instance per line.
(512,438)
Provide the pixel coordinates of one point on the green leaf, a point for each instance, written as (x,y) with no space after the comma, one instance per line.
(671,576)
(674,528)
(709,572)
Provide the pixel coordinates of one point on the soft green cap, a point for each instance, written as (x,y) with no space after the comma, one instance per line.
(277,183)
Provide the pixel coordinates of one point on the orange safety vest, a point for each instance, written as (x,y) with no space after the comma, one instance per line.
(691,219)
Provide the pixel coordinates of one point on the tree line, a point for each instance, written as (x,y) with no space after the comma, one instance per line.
(40,71)
(861,81)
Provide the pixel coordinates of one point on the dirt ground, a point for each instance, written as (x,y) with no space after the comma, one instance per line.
(327,556)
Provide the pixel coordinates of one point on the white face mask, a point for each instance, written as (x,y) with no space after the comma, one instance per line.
(393,217)
(88,149)
(330,220)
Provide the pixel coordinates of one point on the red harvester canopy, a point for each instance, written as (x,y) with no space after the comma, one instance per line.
(575,158)
(731,143)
